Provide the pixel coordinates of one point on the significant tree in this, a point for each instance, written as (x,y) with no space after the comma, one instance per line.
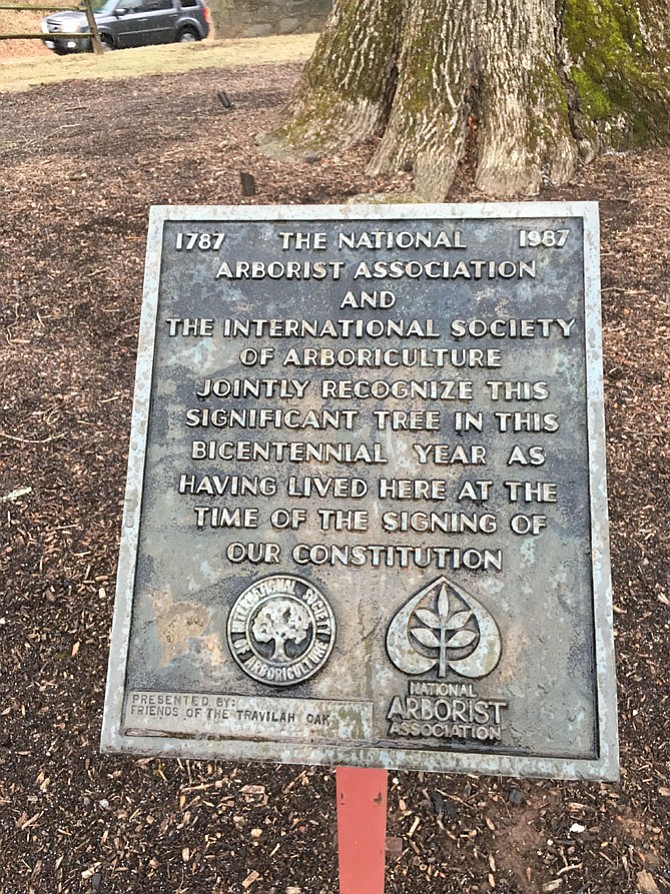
(526,87)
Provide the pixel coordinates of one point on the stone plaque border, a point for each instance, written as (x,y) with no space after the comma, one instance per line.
(605,765)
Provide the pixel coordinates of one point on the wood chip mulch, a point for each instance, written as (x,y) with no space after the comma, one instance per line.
(82,162)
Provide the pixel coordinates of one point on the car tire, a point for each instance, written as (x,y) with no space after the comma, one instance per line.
(188,35)
(106,43)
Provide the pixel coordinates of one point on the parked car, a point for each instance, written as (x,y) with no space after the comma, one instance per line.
(129,23)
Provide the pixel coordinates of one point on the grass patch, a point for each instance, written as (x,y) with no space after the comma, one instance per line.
(25,72)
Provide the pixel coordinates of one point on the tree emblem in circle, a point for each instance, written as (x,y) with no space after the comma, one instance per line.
(280,622)
(281,630)
(444,627)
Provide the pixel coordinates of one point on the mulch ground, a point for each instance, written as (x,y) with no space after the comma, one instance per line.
(81,164)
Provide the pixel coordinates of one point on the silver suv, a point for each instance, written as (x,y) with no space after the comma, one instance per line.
(129,23)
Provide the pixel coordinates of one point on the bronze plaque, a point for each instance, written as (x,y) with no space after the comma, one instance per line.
(366,518)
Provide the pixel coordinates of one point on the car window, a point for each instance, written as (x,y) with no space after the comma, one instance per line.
(130,6)
(135,6)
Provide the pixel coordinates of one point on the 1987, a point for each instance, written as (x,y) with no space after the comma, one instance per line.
(545,238)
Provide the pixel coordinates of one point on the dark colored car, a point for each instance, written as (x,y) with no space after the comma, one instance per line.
(129,23)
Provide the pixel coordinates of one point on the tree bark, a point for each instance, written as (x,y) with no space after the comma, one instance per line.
(526,85)
(348,84)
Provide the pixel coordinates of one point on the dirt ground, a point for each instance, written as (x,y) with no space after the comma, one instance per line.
(21,22)
(81,164)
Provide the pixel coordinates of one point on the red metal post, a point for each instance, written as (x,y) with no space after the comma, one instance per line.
(361,829)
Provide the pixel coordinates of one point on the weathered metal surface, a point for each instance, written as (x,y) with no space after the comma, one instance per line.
(366,517)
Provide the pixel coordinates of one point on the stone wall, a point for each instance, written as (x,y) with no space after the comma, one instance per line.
(259,18)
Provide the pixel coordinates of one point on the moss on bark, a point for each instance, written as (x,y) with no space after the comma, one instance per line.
(620,69)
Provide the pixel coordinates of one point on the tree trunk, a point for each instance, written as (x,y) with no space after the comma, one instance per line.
(348,84)
(526,85)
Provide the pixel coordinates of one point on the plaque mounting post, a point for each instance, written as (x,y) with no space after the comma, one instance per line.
(361,829)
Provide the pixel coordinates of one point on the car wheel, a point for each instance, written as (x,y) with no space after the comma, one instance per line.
(187,35)
(106,42)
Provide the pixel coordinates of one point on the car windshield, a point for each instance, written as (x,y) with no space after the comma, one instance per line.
(103,5)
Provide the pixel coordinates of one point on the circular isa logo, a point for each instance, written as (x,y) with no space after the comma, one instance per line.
(281,630)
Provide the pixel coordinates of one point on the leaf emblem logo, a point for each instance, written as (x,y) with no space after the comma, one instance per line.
(444,627)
